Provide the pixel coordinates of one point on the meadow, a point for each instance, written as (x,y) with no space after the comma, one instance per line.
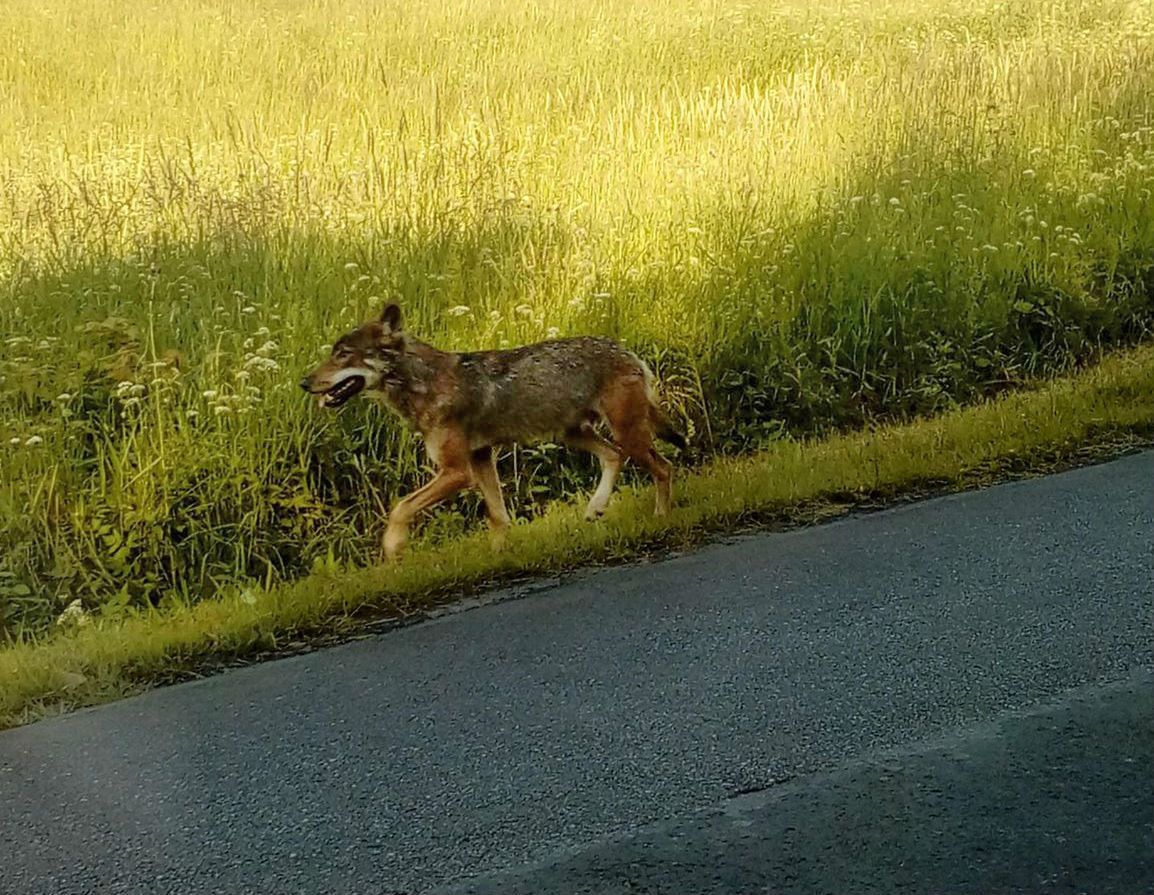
(808,217)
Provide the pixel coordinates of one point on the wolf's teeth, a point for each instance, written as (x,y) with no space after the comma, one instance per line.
(340,393)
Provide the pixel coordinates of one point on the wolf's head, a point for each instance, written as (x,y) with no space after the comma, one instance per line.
(365,358)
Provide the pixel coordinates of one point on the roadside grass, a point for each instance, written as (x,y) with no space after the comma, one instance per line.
(1111,403)
(808,217)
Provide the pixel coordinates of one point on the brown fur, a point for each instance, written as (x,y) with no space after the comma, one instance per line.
(466,405)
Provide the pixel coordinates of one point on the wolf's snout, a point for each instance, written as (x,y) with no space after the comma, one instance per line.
(307,383)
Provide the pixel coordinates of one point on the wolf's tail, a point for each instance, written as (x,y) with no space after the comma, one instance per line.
(662,427)
(664,430)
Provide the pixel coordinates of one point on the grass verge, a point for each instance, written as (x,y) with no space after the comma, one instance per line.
(1108,404)
(806,216)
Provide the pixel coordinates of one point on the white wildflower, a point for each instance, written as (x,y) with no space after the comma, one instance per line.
(458,311)
(74,615)
(33,441)
(264,364)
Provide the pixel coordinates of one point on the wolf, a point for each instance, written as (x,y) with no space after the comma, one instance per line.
(466,405)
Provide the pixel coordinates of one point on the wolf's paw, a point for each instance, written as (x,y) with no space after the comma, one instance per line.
(498,539)
(393,545)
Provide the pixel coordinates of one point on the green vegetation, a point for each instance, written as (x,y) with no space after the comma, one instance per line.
(807,218)
(100,659)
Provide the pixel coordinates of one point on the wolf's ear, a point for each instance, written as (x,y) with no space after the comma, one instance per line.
(391,318)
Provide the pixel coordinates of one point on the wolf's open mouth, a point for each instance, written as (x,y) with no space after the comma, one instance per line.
(342,391)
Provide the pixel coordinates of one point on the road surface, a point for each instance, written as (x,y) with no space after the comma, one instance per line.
(952,696)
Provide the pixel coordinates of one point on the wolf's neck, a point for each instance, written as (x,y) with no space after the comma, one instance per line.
(413,391)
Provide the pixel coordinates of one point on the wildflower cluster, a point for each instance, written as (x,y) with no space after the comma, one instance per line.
(259,371)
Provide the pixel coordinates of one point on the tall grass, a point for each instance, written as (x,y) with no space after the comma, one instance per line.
(1093,412)
(805,216)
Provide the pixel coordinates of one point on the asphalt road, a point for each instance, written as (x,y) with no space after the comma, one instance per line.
(953,696)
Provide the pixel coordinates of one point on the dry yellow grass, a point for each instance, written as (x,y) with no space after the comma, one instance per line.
(806,216)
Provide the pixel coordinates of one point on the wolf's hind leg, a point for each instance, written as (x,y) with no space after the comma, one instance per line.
(662,472)
(585,439)
(484,467)
(627,408)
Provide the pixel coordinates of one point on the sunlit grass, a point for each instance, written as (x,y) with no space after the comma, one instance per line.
(806,216)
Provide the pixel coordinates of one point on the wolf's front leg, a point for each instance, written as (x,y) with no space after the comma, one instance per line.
(484,467)
(446,483)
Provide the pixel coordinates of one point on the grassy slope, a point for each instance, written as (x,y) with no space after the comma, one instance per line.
(807,216)
(1107,404)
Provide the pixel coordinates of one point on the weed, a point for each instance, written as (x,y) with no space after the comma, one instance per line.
(807,219)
